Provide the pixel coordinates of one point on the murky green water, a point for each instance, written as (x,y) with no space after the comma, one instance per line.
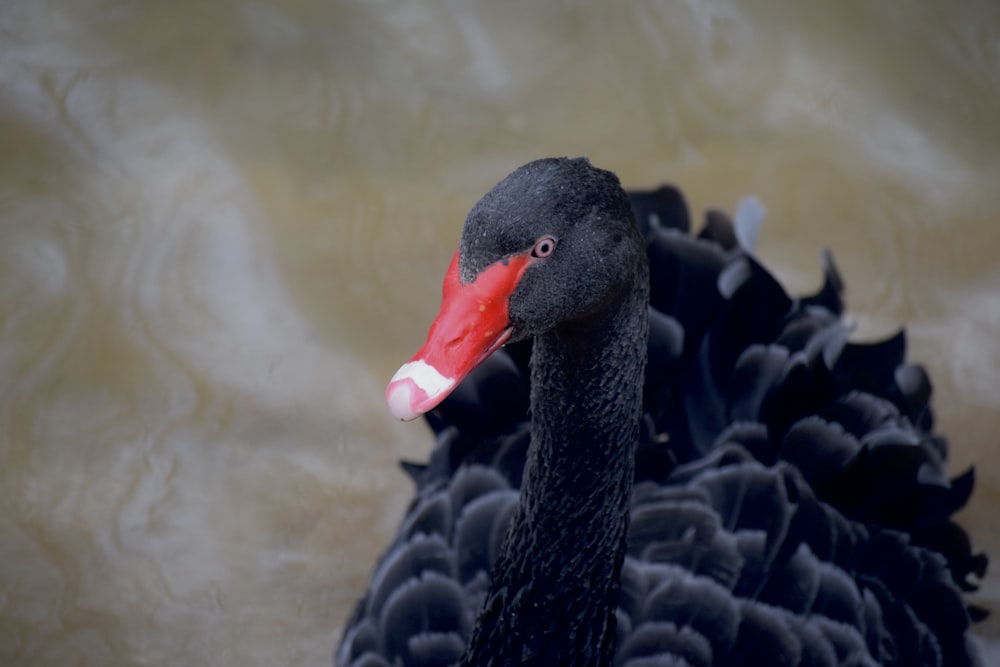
(223,226)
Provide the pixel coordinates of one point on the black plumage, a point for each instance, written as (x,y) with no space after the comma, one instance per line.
(785,497)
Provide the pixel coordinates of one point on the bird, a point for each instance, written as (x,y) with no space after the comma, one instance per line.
(649,453)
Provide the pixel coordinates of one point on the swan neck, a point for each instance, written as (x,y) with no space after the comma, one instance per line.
(556,584)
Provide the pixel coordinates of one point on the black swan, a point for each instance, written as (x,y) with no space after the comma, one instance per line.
(711,473)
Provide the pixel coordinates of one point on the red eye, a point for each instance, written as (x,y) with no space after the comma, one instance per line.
(543,247)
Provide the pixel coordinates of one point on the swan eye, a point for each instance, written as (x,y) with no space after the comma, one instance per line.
(543,247)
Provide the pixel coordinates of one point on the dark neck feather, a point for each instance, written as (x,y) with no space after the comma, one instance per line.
(555,586)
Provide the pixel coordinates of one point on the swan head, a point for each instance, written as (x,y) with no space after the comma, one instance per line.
(552,244)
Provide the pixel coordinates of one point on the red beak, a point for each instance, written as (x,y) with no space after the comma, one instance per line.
(472,323)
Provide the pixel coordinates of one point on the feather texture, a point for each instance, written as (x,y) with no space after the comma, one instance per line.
(791,503)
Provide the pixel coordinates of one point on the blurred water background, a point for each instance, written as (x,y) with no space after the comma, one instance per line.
(223,226)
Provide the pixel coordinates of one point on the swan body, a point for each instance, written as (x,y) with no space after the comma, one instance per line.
(671,462)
